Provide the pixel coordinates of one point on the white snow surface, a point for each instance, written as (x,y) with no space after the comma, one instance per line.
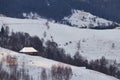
(85,19)
(35,64)
(93,43)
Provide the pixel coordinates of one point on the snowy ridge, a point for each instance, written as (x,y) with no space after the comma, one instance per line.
(35,64)
(83,19)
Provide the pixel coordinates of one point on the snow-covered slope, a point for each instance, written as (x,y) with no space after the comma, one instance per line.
(35,64)
(93,43)
(83,19)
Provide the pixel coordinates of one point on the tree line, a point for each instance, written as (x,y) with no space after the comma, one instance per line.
(17,40)
(13,72)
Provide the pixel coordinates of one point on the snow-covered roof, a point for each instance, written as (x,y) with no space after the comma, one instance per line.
(28,49)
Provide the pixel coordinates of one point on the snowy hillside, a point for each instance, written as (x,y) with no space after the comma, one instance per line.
(83,19)
(93,43)
(35,64)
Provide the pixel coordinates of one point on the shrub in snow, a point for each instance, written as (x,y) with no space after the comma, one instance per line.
(11,60)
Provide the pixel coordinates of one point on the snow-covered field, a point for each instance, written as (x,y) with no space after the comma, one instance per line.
(35,64)
(93,43)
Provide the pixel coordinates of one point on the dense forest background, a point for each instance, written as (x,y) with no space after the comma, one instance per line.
(57,9)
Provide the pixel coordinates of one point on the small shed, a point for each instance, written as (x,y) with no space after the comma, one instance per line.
(28,50)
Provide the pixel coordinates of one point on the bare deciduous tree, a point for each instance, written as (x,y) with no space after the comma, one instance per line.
(61,72)
(43,74)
